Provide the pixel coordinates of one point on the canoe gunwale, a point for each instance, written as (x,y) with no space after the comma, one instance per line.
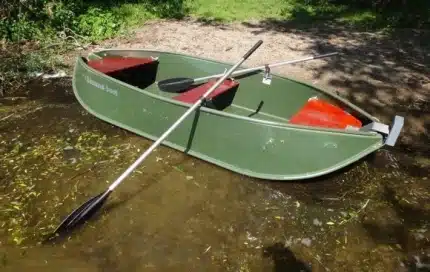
(274,74)
(84,65)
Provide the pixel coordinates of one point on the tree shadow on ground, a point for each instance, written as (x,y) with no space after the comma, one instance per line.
(402,225)
(385,73)
(284,259)
(407,217)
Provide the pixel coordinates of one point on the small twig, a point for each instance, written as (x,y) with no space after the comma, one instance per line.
(331,198)
(362,208)
(13,98)
(52,45)
(74,33)
(86,171)
(6,117)
(335,198)
(325,268)
(207,249)
(30,112)
(76,40)
(63,36)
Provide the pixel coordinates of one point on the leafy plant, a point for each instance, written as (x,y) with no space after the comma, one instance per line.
(98,24)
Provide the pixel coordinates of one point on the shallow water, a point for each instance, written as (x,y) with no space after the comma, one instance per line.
(177,213)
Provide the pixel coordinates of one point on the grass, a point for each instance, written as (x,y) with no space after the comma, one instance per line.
(239,10)
(134,14)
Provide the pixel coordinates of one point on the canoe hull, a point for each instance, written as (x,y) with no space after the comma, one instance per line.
(257,148)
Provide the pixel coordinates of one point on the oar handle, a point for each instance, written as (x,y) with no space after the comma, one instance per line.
(325,55)
(250,51)
(248,70)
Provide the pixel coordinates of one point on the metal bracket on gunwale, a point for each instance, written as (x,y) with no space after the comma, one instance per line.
(267,77)
(393,134)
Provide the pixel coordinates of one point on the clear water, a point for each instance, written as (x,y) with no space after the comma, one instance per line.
(177,213)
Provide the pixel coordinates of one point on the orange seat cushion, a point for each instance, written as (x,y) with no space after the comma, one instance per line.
(320,113)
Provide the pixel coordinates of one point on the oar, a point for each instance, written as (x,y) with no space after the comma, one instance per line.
(178,84)
(87,209)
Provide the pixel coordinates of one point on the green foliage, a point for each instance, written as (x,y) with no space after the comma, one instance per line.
(59,21)
(95,19)
(98,23)
(17,64)
(168,9)
(29,20)
(48,26)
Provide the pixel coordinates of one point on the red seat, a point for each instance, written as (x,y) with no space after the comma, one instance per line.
(114,64)
(323,114)
(193,95)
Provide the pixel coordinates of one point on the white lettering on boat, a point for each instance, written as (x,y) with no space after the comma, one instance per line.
(101,86)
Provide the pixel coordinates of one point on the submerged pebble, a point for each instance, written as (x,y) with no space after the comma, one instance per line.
(250,237)
(289,242)
(306,241)
(317,222)
(73,160)
(419,236)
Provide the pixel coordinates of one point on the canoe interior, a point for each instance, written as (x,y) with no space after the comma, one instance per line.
(276,102)
(248,127)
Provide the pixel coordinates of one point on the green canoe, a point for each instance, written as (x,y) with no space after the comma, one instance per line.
(280,131)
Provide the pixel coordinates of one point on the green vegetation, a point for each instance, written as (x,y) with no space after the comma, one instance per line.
(96,19)
(33,169)
(55,26)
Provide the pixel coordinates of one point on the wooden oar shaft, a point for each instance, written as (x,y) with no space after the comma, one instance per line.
(179,121)
(243,71)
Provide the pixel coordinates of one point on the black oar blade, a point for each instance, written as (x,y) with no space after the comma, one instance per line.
(83,213)
(175,85)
